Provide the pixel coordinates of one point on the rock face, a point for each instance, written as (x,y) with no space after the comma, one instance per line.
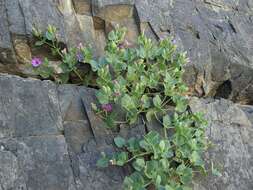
(230,130)
(216,34)
(50,139)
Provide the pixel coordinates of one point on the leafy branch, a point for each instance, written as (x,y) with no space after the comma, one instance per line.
(144,81)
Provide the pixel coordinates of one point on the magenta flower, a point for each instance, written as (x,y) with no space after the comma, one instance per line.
(36,62)
(124,44)
(107,107)
(121,46)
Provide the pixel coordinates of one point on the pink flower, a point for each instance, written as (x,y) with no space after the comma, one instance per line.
(124,44)
(107,107)
(36,62)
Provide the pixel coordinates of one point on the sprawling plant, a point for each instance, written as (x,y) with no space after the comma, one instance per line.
(69,57)
(145,81)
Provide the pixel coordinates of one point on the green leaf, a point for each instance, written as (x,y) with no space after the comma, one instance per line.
(131,74)
(94,65)
(158,180)
(185,173)
(139,164)
(196,159)
(215,171)
(157,101)
(162,145)
(128,103)
(143,144)
(181,107)
(121,158)
(168,187)
(165,163)
(103,161)
(110,120)
(167,123)
(186,178)
(102,97)
(49,36)
(134,182)
(150,113)
(151,169)
(153,138)
(133,145)
(145,100)
(64,77)
(120,142)
(39,43)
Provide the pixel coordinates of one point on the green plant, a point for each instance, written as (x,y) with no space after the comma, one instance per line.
(69,57)
(146,81)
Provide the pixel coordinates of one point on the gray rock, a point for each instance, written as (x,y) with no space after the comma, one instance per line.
(6,49)
(214,35)
(230,130)
(51,139)
(87,137)
(28,107)
(39,162)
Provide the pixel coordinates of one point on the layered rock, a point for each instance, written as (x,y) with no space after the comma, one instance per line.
(50,139)
(216,34)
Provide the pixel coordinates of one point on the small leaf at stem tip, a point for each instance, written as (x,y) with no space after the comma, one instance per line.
(103,161)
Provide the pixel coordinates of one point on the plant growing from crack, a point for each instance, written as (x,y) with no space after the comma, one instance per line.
(70,58)
(146,81)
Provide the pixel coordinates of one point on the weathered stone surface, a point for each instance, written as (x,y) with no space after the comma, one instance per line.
(230,130)
(39,162)
(217,36)
(82,6)
(28,108)
(51,139)
(6,49)
(33,152)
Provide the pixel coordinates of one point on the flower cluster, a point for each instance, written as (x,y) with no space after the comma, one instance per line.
(36,62)
(107,107)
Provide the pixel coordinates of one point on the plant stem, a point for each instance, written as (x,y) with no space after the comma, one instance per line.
(142,154)
(120,122)
(147,184)
(78,74)
(165,133)
(158,119)
(53,46)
